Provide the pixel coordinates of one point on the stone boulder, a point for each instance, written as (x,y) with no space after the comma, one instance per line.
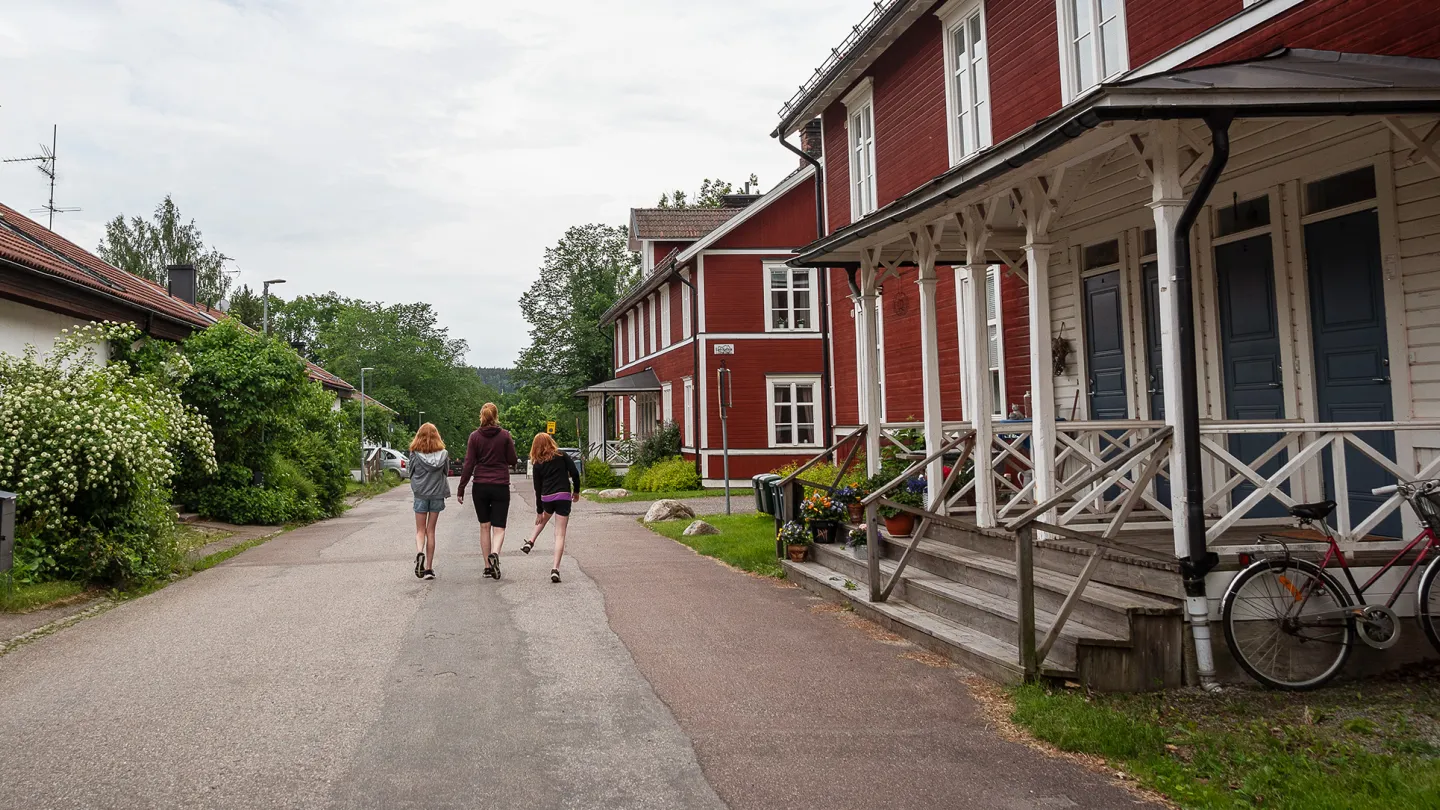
(614,493)
(700,527)
(668,509)
(589,492)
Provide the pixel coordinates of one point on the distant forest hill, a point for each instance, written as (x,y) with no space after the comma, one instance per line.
(498,378)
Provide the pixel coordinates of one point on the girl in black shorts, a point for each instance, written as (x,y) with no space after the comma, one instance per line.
(489,455)
(557,485)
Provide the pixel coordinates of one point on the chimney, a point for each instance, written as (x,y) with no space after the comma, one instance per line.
(812,141)
(183,283)
(738,200)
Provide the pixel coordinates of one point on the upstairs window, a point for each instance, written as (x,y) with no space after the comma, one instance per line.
(1092,43)
(790,305)
(967,88)
(861,106)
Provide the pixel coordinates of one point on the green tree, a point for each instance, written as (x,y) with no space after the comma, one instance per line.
(147,248)
(247,307)
(712,194)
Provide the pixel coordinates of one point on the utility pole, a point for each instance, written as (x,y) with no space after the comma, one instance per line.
(725,405)
(362,423)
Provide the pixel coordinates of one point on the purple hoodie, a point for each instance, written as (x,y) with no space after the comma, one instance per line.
(489,455)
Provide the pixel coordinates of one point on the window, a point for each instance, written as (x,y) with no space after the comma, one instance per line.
(967,90)
(648,414)
(634,355)
(792,411)
(1242,216)
(1092,43)
(665,323)
(685,310)
(654,325)
(861,106)
(1340,190)
(667,403)
(790,305)
(689,406)
(992,325)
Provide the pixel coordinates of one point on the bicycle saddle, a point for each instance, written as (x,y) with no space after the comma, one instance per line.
(1313,511)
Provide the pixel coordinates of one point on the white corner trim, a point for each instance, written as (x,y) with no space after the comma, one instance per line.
(861,94)
(1254,14)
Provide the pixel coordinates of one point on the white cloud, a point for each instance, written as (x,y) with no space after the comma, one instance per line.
(423,150)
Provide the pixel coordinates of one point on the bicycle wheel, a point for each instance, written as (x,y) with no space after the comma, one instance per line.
(1429,595)
(1276,628)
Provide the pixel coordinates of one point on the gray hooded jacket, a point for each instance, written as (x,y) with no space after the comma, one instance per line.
(429,475)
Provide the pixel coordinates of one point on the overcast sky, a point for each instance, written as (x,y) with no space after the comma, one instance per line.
(398,150)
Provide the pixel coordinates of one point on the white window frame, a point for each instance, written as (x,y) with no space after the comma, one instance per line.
(654,310)
(685,293)
(995,321)
(958,14)
(688,407)
(860,108)
(647,258)
(667,403)
(791,272)
(1072,84)
(793,381)
(630,317)
(665,322)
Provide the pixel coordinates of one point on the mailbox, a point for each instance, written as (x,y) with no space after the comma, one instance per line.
(7,531)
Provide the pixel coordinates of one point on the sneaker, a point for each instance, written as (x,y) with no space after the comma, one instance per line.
(488,572)
(428,574)
(495,565)
(527,546)
(554,574)
(420,564)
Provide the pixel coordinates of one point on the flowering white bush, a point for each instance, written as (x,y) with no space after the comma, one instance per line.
(91,451)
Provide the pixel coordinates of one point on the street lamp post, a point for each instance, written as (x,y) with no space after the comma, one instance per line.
(265,318)
(362,424)
(419,419)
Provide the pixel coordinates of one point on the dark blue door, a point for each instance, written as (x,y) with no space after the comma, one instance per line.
(1154,362)
(1250,354)
(1352,358)
(1105,347)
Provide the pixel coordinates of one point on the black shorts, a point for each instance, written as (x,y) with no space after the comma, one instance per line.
(492,503)
(561,508)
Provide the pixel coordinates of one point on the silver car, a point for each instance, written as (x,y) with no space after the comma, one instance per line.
(391,459)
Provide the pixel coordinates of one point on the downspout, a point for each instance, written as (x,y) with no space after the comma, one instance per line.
(1200,560)
(694,370)
(826,416)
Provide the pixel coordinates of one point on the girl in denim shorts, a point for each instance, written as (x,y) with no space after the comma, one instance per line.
(430,486)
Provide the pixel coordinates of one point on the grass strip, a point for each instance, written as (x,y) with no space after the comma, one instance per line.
(678,495)
(1363,747)
(23,598)
(745,541)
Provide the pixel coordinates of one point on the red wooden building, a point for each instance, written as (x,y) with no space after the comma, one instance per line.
(1059,147)
(716,305)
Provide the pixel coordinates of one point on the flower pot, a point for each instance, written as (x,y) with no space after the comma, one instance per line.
(857,512)
(900,525)
(825,531)
(797,551)
(860,551)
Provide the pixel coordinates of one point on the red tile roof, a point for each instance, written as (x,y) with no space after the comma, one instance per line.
(678,223)
(28,243)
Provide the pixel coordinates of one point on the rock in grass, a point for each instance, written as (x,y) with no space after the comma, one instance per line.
(668,509)
(588,492)
(700,527)
(614,493)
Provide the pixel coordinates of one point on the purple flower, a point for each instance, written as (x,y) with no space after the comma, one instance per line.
(916,486)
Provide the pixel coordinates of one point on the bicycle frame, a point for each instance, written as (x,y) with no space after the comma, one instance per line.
(1426,536)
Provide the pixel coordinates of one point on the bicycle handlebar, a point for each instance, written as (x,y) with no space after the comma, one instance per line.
(1386,490)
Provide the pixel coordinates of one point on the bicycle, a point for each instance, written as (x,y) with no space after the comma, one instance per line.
(1291,624)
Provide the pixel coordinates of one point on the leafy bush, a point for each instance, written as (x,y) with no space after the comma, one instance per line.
(663,444)
(631,481)
(599,474)
(826,473)
(286,454)
(91,451)
(671,475)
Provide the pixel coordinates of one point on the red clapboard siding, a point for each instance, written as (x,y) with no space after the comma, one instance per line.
(837,167)
(1395,28)
(911,144)
(900,330)
(742,467)
(677,310)
(735,291)
(842,348)
(949,331)
(1015,324)
(788,222)
(662,249)
(1156,26)
(1024,55)
(752,361)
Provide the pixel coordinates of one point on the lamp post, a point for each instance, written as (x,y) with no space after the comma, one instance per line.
(419,419)
(265,318)
(362,424)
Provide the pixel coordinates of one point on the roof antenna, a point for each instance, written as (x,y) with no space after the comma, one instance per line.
(46,159)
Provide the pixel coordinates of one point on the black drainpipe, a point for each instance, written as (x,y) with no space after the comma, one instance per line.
(826,417)
(695,415)
(1200,560)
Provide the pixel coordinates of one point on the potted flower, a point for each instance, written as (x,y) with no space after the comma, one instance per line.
(851,497)
(797,540)
(898,522)
(858,542)
(823,515)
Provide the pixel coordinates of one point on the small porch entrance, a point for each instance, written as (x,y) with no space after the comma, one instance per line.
(641,395)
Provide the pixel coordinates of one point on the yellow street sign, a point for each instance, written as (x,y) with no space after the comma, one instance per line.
(550,428)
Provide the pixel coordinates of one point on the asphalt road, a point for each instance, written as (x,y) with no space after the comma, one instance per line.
(317,671)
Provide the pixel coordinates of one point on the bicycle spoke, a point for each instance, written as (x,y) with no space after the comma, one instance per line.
(1281,623)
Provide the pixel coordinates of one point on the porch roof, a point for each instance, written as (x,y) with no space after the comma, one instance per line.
(1283,84)
(643,383)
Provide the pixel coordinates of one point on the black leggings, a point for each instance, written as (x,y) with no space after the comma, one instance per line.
(492,503)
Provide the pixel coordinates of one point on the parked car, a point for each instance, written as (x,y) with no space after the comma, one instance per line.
(391,459)
(457,466)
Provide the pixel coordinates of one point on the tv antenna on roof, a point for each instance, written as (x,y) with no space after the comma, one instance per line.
(46,161)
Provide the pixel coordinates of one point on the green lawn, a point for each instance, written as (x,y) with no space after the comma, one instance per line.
(388,480)
(745,541)
(1354,747)
(735,493)
(19,598)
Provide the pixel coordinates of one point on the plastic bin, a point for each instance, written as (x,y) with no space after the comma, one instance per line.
(764,492)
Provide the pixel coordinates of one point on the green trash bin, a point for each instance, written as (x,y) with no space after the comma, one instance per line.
(764,492)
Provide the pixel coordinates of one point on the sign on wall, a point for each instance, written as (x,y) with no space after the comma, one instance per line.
(724,348)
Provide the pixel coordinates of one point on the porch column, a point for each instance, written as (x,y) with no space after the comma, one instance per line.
(595,426)
(1042,390)
(868,347)
(925,250)
(976,367)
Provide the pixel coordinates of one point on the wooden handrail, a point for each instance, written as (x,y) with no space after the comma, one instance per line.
(825,454)
(880,493)
(1099,473)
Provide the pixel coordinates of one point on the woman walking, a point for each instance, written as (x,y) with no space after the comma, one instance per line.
(557,485)
(430,486)
(489,455)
